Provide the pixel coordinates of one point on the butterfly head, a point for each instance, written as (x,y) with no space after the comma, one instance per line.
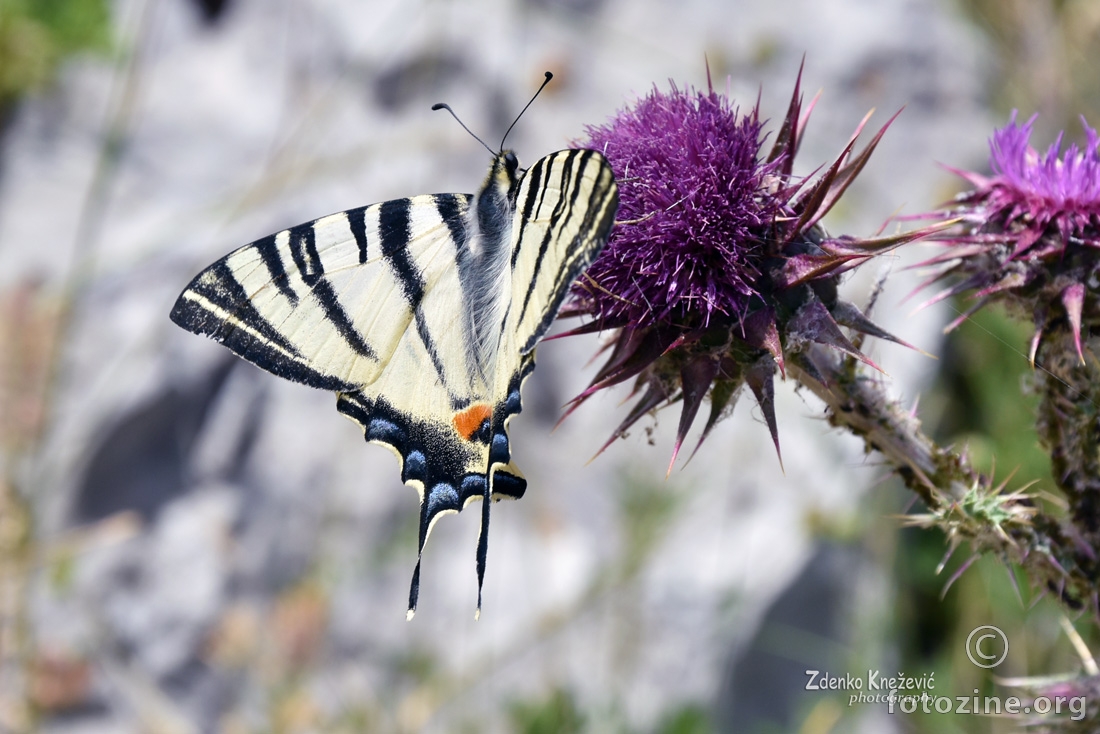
(495,200)
(504,175)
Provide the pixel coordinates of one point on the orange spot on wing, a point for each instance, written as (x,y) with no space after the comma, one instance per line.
(468,421)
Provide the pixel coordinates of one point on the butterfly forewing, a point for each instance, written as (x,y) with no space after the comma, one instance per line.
(565,208)
(321,303)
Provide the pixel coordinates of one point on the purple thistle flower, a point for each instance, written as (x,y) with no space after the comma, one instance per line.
(685,245)
(718,269)
(1029,233)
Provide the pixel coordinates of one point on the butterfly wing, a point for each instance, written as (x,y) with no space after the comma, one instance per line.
(363,302)
(325,303)
(564,210)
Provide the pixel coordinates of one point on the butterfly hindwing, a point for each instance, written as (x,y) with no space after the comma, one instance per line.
(422,313)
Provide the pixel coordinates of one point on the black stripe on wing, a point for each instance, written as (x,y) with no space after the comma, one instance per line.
(561,212)
(303,250)
(536,190)
(216,305)
(339,318)
(595,228)
(357,223)
(598,209)
(395,231)
(452,210)
(536,193)
(268,251)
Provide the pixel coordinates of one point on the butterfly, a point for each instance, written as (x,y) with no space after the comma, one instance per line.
(422,314)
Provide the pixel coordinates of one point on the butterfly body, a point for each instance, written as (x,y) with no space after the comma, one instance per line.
(483,265)
(422,314)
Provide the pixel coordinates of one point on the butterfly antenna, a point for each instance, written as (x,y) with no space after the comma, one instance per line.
(445,106)
(546,81)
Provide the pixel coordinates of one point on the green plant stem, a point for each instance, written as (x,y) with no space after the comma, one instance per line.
(1068,426)
(960,500)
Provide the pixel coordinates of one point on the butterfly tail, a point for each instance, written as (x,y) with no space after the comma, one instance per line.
(414,591)
(483,542)
(426,517)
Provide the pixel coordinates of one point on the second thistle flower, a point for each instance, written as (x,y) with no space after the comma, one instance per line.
(718,270)
(1029,234)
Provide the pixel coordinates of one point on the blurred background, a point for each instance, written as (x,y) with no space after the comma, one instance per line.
(188,544)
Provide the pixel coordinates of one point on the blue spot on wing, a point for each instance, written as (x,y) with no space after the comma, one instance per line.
(513,404)
(498,450)
(416,465)
(473,485)
(380,429)
(441,497)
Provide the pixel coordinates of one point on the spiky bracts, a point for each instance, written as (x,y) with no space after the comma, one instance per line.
(718,271)
(1029,237)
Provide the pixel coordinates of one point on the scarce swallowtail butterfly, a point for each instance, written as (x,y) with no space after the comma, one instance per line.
(422,314)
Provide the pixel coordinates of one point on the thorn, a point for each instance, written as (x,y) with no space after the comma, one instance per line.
(696,378)
(721,396)
(814,323)
(958,574)
(957,322)
(655,395)
(760,381)
(848,314)
(947,557)
(1034,348)
(1015,583)
(1073,298)
(762,332)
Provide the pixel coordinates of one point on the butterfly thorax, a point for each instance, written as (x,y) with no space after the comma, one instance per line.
(484,260)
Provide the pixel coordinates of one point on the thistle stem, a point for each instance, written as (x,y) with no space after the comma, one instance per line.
(1069,428)
(960,500)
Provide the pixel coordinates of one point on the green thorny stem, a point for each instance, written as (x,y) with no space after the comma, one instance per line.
(961,501)
(1068,423)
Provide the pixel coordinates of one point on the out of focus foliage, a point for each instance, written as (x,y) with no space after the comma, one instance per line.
(37,35)
(1046,53)
(986,396)
(559,714)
